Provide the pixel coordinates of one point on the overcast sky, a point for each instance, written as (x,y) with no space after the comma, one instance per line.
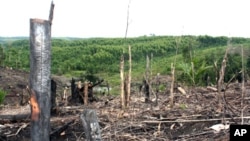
(107,18)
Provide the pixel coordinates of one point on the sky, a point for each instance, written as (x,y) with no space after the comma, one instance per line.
(108,18)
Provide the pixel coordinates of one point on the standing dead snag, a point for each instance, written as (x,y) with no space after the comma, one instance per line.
(146,82)
(86,86)
(122,82)
(129,76)
(221,78)
(53,96)
(243,89)
(40,82)
(39,79)
(91,126)
(173,74)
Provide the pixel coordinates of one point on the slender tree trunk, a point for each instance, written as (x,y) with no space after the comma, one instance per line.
(222,73)
(147,81)
(129,77)
(173,74)
(86,86)
(53,96)
(172,86)
(122,82)
(242,86)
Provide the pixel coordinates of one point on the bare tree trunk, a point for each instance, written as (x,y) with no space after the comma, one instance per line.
(86,86)
(146,83)
(242,86)
(129,77)
(173,75)
(172,86)
(53,96)
(122,82)
(40,82)
(125,90)
(222,73)
(220,97)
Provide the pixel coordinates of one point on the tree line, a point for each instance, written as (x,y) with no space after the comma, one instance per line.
(96,55)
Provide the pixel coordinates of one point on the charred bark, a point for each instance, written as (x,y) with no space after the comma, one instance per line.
(40,82)
(53,96)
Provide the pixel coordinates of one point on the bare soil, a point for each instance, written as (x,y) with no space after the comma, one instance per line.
(190,119)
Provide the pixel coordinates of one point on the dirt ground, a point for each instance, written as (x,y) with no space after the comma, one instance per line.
(190,119)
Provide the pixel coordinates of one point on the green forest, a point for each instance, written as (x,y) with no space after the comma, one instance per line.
(196,56)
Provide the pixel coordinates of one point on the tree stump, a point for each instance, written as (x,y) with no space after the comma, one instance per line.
(90,125)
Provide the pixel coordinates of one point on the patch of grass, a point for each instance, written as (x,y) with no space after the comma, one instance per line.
(162,87)
(2,95)
(183,106)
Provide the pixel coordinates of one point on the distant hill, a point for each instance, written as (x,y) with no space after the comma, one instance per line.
(4,40)
(101,56)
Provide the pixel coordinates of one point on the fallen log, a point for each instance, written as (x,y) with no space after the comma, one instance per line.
(212,88)
(15,117)
(59,130)
(198,120)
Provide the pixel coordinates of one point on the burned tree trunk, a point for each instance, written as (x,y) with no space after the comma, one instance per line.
(53,96)
(73,88)
(146,91)
(83,94)
(146,81)
(40,82)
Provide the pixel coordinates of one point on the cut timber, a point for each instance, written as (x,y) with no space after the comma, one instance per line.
(15,117)
(180,89)
(185,121)
(212,88)
(91,126)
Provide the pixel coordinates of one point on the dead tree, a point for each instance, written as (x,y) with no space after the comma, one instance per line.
(86,86)
(146,82)
(90,125)
(173,74)
(145,90)
(53,96)
(221,77)
(40,83)
(39,80)
(78,92)
(122,82)
(129,77)
(73,88)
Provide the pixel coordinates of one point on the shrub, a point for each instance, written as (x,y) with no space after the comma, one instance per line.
(2,95)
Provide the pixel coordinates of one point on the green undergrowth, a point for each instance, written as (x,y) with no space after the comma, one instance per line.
(2,95)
